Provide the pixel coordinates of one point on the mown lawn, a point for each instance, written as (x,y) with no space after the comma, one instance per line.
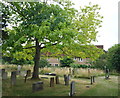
(101,87)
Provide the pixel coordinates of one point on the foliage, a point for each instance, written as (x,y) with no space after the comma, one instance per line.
(101,62)
(10,60)
(80,66)
(39,26)
(43,63)
(114,57)
(65,62)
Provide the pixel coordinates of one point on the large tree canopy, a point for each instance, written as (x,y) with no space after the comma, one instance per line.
(40,27)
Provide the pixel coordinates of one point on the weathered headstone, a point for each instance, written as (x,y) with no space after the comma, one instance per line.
(2,72)
(91,78)
(72,89)
(37,86)
(28,73)
(13,77)
(18,69)
(57,79)
(23,73)
(66,80)
(69,77)
(4,75)
(52,82)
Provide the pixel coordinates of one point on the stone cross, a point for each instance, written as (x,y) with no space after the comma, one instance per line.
(13,77)
(72,89)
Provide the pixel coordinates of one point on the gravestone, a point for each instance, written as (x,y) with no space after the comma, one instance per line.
(18,69)
(91,80)
(57,79)
(37,86)
(28,73)
(4,75)
(88,72)
(69,77)
(73,71)
(51,82)
(23,73)
(106,73)
(66,80)
(72,89)
(13,77)
(2,72)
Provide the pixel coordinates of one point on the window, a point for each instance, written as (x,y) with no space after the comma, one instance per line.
(80,60)
(75,58)
(56,64)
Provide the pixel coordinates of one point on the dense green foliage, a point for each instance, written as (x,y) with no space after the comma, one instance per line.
(80,66)
(101,62)
(114,57)
(65,62)
(44,63)
(38,27)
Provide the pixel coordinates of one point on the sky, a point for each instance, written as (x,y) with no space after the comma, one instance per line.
(108,33)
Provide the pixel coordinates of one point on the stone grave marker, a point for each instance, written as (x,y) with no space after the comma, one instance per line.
(23,73)
(18,69)
(4,75)
(69,77)
(37,86)
(52,82)
(94,79)
(72,89)
(57,79)
(13,77)
(28,73)
(66,80)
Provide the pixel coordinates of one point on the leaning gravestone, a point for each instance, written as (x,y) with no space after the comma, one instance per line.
(51,82)
(13,77)
(72,89)
(37,86)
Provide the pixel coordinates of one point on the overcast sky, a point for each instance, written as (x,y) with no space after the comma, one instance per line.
(108,33)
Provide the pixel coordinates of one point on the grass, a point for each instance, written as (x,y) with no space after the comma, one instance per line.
(102,87)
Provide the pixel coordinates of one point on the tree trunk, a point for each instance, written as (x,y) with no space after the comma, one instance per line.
(36,62)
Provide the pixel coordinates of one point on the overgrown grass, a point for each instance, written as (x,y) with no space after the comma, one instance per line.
(101,87)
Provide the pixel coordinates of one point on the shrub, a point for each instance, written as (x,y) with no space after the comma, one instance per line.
(66,62)
(44,63)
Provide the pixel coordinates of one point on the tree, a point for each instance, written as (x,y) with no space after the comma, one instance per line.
(114,57)
(66,62)
(39,26)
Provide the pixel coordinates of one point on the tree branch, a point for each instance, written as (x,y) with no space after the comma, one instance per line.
(50,45)
(29,47)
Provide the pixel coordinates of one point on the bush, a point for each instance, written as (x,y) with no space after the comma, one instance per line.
(80,66)
(44,63)
(66,62)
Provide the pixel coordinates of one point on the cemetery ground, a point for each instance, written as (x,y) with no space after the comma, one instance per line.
(83,87)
